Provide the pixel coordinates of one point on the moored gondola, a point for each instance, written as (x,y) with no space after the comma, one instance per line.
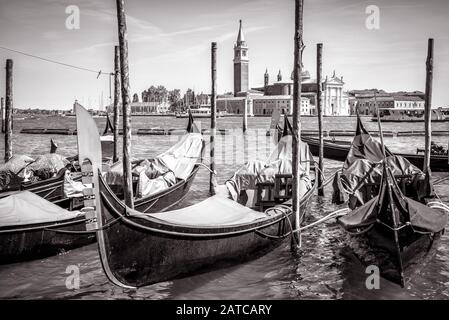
(32,227)
(138,249)
(395,224)
(338,150)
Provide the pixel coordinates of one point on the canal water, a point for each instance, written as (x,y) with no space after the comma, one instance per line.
(324,268)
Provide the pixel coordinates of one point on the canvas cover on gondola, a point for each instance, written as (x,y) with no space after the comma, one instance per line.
(28,208)
(214,211)
(157,174)
(364,147)
(279,162)
(11,172)
(418,215)
(363,169)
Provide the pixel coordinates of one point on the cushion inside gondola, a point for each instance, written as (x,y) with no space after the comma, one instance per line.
(214,211)
(23,208)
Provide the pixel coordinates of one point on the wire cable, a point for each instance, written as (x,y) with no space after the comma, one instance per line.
(98,72)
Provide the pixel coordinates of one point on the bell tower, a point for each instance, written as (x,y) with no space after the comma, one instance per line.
(266,78)
(241,61)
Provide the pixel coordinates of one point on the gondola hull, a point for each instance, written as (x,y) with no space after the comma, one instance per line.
(377,248)
(162,251)
(339,151)
(34,241)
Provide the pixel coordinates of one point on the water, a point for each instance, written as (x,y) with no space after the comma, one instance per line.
(324,268)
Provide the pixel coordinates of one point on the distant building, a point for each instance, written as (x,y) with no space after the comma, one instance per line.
(278,95)
(366,101)
(142,108)
(335,100)
(203,99)
(189,98)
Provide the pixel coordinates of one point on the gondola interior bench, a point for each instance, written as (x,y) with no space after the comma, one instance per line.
(271,193)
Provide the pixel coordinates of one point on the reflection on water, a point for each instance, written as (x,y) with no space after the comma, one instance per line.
(323,269)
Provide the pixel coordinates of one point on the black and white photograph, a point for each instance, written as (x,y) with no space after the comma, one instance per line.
(224,150)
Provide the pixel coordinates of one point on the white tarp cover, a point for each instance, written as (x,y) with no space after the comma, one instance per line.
(25,207)
(161,172)
(72,188)
(181,157)
(214,211)
(279,162)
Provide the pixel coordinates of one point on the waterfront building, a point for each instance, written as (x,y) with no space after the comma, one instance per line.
(144,108)
(203,99)
(367,106)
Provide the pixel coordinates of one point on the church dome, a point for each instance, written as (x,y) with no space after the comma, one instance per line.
(305,75)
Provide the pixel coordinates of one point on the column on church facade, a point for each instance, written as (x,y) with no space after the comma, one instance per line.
(338,101)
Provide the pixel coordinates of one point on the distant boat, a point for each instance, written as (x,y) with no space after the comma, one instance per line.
(198,111)
(410,115)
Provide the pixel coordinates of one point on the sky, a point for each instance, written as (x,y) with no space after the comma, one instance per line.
(169,44)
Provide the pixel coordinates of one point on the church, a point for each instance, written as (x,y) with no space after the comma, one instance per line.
(262,101)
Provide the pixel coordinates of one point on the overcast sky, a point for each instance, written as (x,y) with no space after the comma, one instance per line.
(169,44)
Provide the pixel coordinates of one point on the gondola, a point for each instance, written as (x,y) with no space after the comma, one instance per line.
(27,241)
(52,189)
(338,150)
(42,235)
(395,223)
(139,249)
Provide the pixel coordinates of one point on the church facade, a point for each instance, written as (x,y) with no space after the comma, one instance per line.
(279,95)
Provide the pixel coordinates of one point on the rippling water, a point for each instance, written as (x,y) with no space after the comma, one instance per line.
(324,269)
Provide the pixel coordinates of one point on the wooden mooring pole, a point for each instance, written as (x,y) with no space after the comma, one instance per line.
(126,111)
(8,110)
(298,41)
(213,117)
(428,106)
(245,115)
(319,107)
(2,115)
(116,100)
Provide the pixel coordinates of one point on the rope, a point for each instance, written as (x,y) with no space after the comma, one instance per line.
(360,232)
(57,62)
(332,215)
(438,205)
(107,225)
(207,168)
(441,180)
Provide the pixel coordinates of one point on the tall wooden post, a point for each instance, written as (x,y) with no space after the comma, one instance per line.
(126,112)
(428,106)
(8,110)
(298,41)
(116,100)
(2,116)
(213,116)
(245,115)
(319,107)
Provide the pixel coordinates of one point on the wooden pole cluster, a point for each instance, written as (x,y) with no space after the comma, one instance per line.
(116,100)
(2,115)
(428,106)
(213,117)
(8,110)
(319,106)
(126,112)
(299,6)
